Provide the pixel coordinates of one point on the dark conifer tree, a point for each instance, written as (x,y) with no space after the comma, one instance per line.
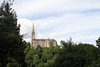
(11,45)
(98,42)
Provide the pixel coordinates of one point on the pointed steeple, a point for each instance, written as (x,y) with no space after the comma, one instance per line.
(33,30)
(33,36)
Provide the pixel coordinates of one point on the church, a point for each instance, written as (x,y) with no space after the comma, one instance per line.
(41,42)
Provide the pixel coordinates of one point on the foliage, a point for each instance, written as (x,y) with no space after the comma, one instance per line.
(41,57)
(98,42)
(68,55)
(12,63)
(11,44)
(27,46)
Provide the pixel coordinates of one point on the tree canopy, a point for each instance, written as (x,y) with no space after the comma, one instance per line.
(11,44)
(68,54)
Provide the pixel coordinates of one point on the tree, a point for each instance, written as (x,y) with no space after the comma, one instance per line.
(98,42)
(75,55)
(39,51)
(11,44)
(27,46)
(29,57)
(12,63)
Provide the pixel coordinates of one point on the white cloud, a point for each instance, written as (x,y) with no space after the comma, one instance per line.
(38,7)
(63,19)
(39,36)
(26,25)
(78,26)
(59,19)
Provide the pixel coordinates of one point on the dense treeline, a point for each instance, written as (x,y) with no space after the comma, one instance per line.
(15,52)
(68,54)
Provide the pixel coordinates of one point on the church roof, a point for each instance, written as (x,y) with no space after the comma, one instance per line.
(44,39)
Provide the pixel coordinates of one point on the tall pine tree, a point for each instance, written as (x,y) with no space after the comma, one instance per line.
(11,44)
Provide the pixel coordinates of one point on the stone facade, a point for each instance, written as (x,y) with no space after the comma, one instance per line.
(41,42)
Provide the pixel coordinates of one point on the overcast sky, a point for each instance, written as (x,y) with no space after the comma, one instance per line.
(60,19)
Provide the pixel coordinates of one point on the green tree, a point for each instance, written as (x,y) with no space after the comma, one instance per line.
(45,54)
(98,42)
(87,54)
(29,57)
(12,63)
(27,46)
(11,44)
(39,51)
(36,60)
(75,55)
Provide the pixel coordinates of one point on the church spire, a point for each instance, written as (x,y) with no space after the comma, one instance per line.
(33,36)
(33,31)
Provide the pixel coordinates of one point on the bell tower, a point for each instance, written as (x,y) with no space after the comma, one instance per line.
(33,36)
